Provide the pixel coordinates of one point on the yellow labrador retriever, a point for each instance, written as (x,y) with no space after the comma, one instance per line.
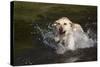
(64,30)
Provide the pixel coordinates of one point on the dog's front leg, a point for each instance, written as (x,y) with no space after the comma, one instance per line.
(71,43)
(56,39)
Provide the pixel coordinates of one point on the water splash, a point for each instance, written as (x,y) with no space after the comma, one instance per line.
(82,39)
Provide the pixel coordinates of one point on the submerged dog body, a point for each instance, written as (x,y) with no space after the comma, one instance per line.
(67,35)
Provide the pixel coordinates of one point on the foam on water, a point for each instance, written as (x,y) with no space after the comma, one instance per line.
(82,39)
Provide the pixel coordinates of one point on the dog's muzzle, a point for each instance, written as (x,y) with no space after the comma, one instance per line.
(61,31)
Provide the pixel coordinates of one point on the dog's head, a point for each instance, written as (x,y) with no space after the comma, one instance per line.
(62,25)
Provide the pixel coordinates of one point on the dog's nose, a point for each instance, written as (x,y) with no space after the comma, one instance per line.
(61,29)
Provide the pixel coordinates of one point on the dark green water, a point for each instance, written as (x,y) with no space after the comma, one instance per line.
(29,50)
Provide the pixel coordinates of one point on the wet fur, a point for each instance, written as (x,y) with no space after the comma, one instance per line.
(66,40)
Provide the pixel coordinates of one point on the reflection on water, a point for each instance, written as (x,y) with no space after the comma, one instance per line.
(33,43)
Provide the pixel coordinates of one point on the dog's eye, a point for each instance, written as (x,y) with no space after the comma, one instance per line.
(58,23)
(65,23)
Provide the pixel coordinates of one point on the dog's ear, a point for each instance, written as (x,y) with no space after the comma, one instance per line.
(71,24)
